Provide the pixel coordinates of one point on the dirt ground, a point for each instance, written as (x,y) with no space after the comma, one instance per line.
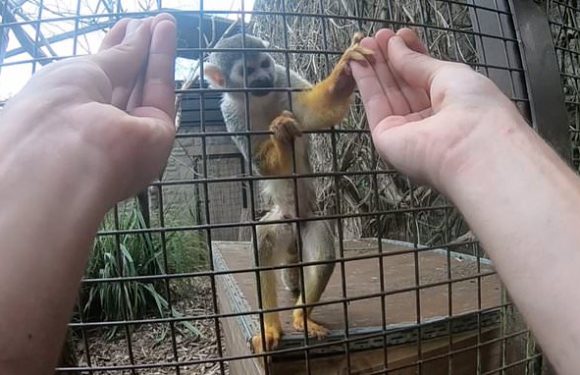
(153,344)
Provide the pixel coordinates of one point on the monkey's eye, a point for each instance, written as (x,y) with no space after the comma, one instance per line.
(265,64)
(250,70)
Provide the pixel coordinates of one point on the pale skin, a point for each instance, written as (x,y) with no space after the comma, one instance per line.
(82,135)
(88,132)
(445,125)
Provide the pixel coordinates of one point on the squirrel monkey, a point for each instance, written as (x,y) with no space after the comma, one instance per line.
(316,107)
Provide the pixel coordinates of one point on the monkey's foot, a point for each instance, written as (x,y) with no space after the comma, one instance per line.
(314,329)
(272,338)
(285,128)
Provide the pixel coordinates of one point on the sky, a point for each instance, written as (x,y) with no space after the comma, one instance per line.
(17,71)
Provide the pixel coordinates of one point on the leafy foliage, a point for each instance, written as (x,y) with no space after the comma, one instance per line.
(125,248)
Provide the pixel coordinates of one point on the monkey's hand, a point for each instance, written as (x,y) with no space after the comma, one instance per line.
(327,103)
(343,82)
(285,129)
(274,156)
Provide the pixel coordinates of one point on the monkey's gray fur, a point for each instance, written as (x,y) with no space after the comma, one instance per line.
(277,243)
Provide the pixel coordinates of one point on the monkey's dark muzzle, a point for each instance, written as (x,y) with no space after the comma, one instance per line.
(263,85)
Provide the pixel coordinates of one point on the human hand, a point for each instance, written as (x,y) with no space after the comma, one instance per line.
(106,118)
(428,118)
(444,124)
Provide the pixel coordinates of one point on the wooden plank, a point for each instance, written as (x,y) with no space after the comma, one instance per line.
(235,337)
(362,280)
(403,358)
(238,296)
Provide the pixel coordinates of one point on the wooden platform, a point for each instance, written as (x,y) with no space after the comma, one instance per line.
(465,309)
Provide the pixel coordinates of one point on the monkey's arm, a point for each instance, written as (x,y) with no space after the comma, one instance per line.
(273,157)
(326,104)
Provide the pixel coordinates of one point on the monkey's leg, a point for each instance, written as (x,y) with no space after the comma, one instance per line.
(273,157)
(273,240)
(326,104)
(317,245)
(291,275)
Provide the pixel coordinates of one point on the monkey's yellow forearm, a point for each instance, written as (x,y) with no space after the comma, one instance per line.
(327,103)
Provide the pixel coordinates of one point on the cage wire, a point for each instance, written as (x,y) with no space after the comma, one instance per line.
(171,285)
(563,18)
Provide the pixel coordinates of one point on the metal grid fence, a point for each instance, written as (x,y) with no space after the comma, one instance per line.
(563,18)
(162,295)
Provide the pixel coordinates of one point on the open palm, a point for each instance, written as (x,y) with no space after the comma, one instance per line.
(119,102)
(420,109)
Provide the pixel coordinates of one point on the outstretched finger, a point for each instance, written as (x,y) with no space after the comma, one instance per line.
(372,94)
(136,97)
(158,82)
(115,35)
(123,61)
(412,40)
(409,99)
(397,100)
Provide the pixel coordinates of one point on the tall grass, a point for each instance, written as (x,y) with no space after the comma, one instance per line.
(117,253)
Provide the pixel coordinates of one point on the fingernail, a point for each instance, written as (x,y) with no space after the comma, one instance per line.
(164,17)
(160,18)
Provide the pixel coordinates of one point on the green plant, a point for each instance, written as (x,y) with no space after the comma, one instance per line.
(118,254)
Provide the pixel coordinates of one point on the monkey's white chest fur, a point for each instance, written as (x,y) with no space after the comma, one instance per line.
(257,117)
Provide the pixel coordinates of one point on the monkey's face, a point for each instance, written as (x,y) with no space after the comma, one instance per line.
(256,72)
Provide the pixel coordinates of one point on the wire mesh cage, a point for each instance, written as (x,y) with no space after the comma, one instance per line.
(174,280)
(563,18)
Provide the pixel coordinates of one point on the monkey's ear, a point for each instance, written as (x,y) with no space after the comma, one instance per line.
(214,75)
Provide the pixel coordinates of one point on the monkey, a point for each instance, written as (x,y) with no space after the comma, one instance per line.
(315,107)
